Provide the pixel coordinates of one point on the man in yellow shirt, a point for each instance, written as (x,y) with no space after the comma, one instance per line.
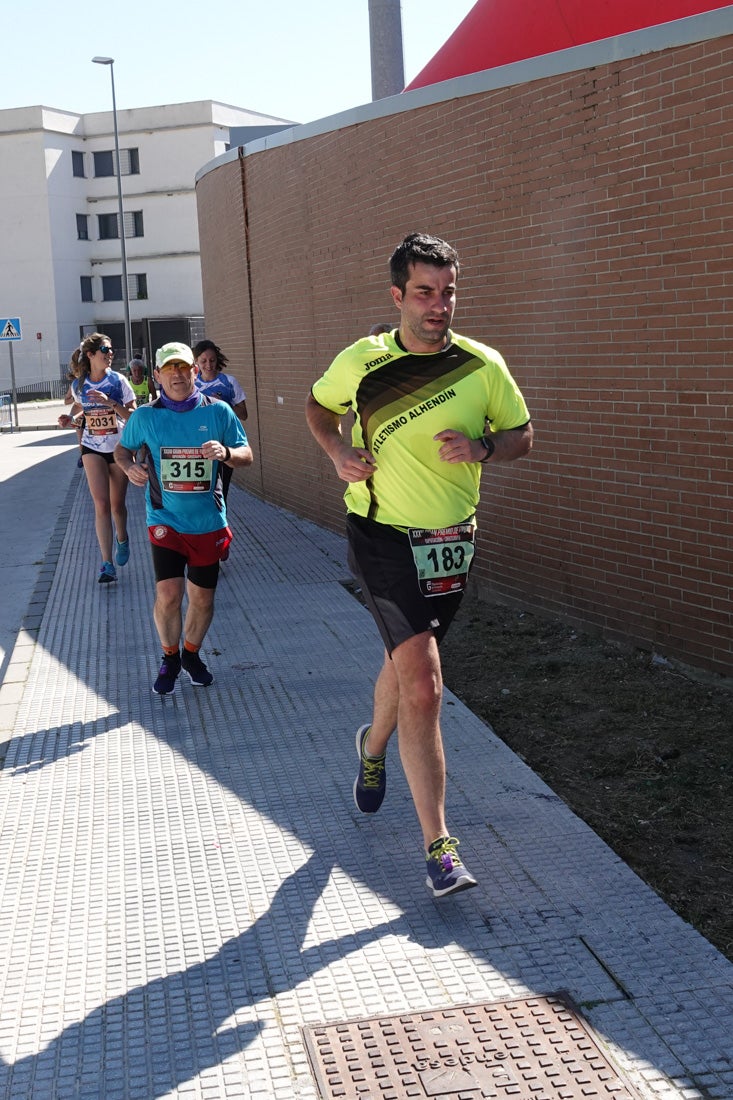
(142,385)
(432,409)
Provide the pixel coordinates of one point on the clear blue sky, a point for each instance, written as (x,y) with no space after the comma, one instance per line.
(296,59)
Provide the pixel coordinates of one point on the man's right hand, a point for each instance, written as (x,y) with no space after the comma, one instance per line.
(351,463)
(137,474)
(354,463)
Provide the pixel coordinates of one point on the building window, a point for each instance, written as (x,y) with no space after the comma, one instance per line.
(129,162)
(86,288)
(107,224)
(104,163)
(77,163)
(82,227)
(111,288)
(133,221)
(137,286)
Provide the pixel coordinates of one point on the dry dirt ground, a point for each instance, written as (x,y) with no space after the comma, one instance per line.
(641,750)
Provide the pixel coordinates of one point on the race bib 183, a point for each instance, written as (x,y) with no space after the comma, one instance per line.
(442,557)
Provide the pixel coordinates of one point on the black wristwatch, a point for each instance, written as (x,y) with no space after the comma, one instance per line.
(488,443)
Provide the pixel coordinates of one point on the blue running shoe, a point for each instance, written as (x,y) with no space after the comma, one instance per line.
(446,873)
(107,573)
(370,784)
(122,551)
(168,674)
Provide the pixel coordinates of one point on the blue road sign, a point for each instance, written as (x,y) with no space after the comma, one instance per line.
(10,328)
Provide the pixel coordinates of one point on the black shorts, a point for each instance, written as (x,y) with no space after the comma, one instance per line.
(226,477)
(381,559)
(169,563)
(108,456)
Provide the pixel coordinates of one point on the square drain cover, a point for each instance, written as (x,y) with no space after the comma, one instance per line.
(537,1048)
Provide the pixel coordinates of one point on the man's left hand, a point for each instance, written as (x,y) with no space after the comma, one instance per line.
(456,447)
(212,448)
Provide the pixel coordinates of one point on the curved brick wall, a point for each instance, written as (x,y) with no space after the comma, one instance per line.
(593,212)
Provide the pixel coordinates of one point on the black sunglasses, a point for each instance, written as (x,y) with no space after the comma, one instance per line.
(105,349)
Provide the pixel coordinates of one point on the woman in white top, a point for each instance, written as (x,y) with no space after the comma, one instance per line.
(107,400)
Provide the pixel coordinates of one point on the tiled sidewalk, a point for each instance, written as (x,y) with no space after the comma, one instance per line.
(186,883)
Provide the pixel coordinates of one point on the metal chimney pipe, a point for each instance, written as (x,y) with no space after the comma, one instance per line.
(385,36)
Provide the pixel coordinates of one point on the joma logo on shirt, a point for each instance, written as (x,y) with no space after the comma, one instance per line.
(376,362)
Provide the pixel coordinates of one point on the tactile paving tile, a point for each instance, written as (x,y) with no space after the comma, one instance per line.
(537,1048)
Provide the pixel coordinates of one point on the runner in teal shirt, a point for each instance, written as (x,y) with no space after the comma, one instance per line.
(176,449)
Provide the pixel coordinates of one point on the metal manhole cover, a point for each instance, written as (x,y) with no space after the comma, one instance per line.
(537,1048)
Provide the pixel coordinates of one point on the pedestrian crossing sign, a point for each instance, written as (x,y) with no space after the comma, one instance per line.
(10,328)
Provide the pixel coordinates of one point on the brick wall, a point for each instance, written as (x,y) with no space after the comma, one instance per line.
(593,214)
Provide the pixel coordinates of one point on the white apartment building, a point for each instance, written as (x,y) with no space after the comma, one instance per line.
(60,255)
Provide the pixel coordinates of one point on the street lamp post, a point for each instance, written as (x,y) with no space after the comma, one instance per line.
(121,217)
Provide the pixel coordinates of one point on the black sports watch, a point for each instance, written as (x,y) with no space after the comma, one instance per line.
(489,445)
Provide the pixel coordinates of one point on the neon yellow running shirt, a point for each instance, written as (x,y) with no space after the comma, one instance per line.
(141,391)
(401,401)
